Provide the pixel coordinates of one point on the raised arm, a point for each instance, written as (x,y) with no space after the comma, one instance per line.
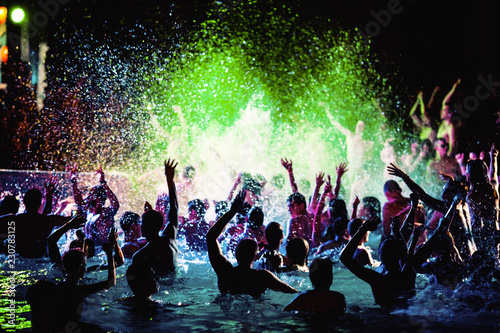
(320,180)
(235,186)
(427,199)
(173,213)
(49,195)
(115,205)
(316,232)
(274,283)
(493,166)
(448,96)
(118,257)
(409,223)
(341,169)
(54,254)
(215,255)
(77,194)
(289,167)
(355,205)
(347,254)
(417,119)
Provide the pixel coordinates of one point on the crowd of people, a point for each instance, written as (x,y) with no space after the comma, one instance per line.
(450,239)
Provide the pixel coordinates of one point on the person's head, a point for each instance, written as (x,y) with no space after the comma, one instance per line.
(32,200)
(221,207)
(427,149)
(141,280)
(97,197)
(369,207)
(476,172)
(246,251)
(196,209)
(447,111)
(339,227)
(441,147)
(74,262)
(321,274)
(392,190)
(353,228)
(297,251)
(360,127)
(392,251)
(130,223)
(255,218)
(9,205)
(337,208)
(152,222)
(189,173)
(451,189)
(274,235)
(296,204)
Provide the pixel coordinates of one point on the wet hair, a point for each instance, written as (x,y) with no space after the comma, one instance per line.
(128,219)
(152,221)
(32,199)
(454,188)
(274,233)
(74,261)
(141,279)
(297,250)
(296,198)
(189,172)
(478,171)
(392,186)
(9,205)
(354,226)
(337,208)
(339,225)
(320,273)
(100,192)
(255,217)
(246,251)
(198,205)
(221,207)
(392,249)
(373,205)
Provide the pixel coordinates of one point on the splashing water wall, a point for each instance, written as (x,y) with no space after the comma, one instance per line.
(235,94)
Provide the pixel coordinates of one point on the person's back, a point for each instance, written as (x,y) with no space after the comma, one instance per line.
(161,252)
(321,299)
(241,279)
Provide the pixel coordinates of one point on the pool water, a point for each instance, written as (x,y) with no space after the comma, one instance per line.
(191,302)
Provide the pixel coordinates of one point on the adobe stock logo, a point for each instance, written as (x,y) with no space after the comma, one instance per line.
(484,89)
(381,19)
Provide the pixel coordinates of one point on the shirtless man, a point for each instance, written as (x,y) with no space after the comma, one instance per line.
(242,279)
(161,252)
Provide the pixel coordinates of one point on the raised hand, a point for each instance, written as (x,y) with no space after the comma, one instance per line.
(395,224)
(170,168)
(287,164)
(356,202)
(100,173)
(77,222)
(341,169)
(50,187)
(113,236)
(493,151)
(414,197)
(372,223)
(73,171)
(328,186)
(320,179)
(460,157)
(394,170)
(238,201)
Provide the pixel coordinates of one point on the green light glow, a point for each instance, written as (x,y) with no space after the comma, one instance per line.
(17,15)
